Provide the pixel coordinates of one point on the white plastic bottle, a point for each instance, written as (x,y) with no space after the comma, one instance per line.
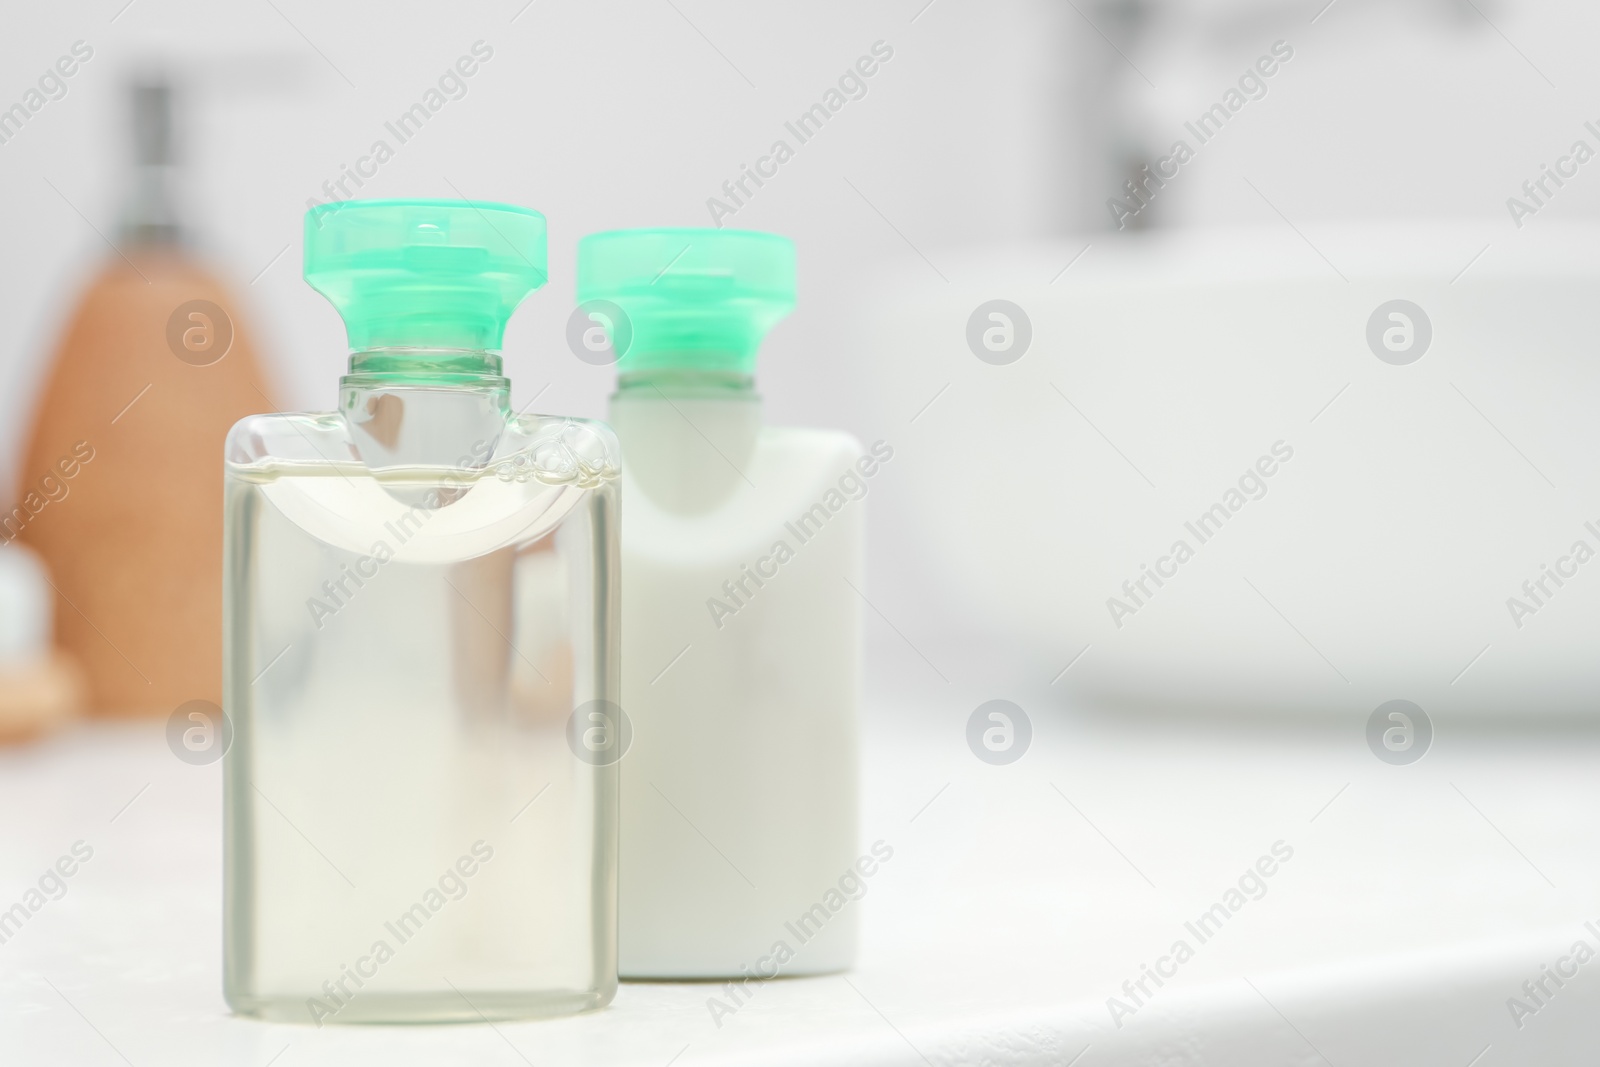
(741,618)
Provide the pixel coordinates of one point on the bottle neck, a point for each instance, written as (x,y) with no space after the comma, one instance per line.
(426,368)
(425,406)
(688,435)
(701,383)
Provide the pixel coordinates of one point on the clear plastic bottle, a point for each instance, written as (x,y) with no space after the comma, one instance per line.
(741,611)
(420,612)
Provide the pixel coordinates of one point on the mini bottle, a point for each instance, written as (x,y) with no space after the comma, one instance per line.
(420,604)
(741,559)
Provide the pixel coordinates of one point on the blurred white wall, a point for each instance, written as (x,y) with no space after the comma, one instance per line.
(991,126)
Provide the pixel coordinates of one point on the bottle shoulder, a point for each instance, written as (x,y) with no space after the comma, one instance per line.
(826,446)
(283,435)
(554,448)
(802,463)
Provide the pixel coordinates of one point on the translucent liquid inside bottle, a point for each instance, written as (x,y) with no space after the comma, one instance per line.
(410,836)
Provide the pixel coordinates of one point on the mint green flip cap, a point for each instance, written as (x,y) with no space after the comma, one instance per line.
(424,273)
(699,299)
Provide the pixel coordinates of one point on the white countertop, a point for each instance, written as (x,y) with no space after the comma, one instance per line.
(1418,899)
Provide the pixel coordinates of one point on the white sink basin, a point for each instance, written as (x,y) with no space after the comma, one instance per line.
(1378,561)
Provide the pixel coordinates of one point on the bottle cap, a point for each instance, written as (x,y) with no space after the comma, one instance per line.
(698,299)
(424,273)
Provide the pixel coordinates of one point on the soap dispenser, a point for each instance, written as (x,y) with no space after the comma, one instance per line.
(118,491)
